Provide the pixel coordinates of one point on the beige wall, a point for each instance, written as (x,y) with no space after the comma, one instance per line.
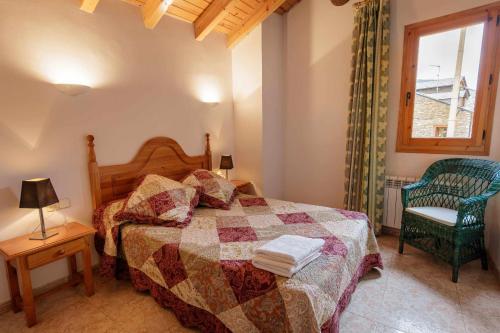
(317,57)
(247,92)
(317,60)
(258,81)
(273,83)
(146,83)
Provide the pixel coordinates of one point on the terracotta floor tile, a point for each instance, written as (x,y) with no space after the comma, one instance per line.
(480,323)
(413,294)
(153,318)
(79,316)
(352,323)
(13,322)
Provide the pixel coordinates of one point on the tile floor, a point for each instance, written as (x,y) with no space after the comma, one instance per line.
(413,294)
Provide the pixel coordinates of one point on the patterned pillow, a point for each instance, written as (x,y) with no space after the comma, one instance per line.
(159,200)
(216,192)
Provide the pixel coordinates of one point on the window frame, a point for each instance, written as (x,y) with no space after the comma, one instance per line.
(480,140)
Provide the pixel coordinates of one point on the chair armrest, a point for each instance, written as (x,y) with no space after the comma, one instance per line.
(412,191)
(471,210)
(477,199)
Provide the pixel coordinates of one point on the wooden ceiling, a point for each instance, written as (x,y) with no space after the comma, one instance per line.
(235,18)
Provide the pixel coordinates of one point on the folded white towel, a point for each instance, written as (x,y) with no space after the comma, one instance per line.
(265,260)
(280,268)
(290,249)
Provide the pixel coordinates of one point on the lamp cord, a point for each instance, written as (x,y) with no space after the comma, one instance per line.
(38,225)
(47,216)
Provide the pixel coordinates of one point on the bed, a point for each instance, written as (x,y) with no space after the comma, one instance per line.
(203,272)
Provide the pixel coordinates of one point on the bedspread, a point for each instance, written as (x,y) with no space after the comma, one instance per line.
(204,272)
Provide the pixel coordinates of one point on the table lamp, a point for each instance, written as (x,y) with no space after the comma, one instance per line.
(226,163)
(38,193)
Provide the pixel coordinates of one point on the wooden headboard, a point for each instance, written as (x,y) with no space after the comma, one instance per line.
(161,156)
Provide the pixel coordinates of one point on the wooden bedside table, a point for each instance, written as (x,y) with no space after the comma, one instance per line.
(244,186)
(29,254)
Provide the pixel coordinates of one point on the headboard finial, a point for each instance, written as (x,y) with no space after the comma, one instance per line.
(207,148)
(208,152)
(90,143)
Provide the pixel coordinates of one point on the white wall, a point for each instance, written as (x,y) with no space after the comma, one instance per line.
(318,59)
(273,83)
(258,90)
(146,83)
(247,94)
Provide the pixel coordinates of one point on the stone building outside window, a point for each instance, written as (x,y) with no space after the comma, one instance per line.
(432,107)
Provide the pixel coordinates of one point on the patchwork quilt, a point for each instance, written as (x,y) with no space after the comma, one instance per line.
(203,271)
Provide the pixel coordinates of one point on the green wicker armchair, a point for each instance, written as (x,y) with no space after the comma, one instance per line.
(443,213)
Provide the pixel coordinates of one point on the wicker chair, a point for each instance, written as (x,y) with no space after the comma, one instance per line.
(443,213)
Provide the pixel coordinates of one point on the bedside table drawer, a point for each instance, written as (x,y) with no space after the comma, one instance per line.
(55,253)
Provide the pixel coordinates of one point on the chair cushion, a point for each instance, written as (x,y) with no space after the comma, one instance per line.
(438,214)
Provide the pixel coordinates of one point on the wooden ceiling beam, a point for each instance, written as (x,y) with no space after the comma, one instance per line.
(235,20)
(287,6)
(153,11)
(88,5)
(211,17)
(263,11)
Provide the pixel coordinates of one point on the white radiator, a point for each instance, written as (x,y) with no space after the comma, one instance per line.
(393,207)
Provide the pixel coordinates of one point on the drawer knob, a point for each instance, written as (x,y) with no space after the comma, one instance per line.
(61,252)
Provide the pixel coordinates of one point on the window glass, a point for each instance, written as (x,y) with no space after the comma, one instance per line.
(447,82)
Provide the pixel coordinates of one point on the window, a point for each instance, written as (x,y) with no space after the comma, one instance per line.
(449,83)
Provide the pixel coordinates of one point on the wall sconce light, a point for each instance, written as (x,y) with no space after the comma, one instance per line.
(208,90)
(72,89)
(212,104)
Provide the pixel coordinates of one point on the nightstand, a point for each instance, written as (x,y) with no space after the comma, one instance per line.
(244,186)
(22,255)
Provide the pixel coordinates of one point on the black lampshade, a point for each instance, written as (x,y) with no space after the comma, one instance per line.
(226,162)
(37,193)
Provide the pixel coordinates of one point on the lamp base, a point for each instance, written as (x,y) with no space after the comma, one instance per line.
(40,236)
